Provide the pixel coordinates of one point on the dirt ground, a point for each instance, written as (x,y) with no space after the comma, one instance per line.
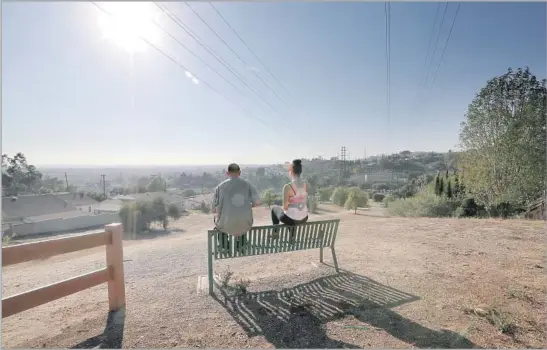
(404,283)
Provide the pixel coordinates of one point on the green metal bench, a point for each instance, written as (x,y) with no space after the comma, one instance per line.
(262,240)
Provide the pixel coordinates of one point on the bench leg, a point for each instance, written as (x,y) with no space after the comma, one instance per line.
(334,259)
(321,254)
(210,263)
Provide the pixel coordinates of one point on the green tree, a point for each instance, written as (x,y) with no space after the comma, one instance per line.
(137,216)
(99,197)
(268,198)
(356,199)
(381,187)
(339,196)
(157,184)
(449,189)
(174,211)
(441,186)
(378,197)
(312,204)
(503,138)
(456,190)
(204,208)
(437,185)
(313,182)
(189,193)
(18,176)
(325,193)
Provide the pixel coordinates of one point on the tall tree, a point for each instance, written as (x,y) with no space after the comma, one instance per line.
(18,176)
(456,190)
(503,139)
(437,185)
(441,186)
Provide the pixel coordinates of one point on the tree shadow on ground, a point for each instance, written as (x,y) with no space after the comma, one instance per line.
(322,210)
(373,215)
(294,317)
(153,233)
(112,336)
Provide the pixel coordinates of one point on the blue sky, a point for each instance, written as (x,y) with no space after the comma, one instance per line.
(72,94)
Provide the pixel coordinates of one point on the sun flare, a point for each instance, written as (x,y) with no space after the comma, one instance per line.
(126,23)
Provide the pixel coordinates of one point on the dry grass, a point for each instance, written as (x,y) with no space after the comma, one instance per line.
(416,282)
(237,288)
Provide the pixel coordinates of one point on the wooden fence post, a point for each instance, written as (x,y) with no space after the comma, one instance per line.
(114,261)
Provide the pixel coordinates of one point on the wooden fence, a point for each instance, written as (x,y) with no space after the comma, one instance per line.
(113,273)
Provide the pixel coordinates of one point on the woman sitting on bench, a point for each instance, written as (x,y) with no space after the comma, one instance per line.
(295,198)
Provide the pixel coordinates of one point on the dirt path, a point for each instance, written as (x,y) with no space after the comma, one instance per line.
(407,282)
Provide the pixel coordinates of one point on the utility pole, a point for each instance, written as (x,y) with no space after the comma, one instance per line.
(104,185)
(66,180)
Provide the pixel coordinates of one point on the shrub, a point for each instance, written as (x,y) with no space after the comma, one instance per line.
(356,199)
(174,211)
(137,217)
(503,209)
(189,193)
(387,199)
(268,198)
(312,204)
(468,208)
(365,186)
(378,197)
(340,196)
(381,187)
(325,194)
(424,205)
(204,208)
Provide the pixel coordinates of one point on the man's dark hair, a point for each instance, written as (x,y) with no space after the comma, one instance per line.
(297,167)
(233,168)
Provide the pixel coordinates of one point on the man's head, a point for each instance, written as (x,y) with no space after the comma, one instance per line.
(233,170)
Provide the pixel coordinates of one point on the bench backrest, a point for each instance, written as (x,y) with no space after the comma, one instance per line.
(259,241)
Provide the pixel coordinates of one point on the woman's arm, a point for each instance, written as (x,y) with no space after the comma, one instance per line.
(286,197)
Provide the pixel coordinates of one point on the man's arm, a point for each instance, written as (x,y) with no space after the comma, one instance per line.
(215,201)
(255,197)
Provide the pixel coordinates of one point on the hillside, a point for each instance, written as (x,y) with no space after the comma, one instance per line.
(429,283)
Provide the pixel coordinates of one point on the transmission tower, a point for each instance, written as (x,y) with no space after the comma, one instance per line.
(343,165)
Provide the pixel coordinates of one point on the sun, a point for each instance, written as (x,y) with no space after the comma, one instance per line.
(126,23)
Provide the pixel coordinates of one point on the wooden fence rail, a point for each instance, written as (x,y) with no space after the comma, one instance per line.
(113,274)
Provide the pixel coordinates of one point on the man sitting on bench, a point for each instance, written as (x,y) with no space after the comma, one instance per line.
(233,201)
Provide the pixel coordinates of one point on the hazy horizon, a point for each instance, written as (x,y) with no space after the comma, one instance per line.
(79,88)
(143,165)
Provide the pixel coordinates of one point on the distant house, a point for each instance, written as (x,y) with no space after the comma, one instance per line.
(46,213)
(81,202)
(169,198)
(23,208)
(108,206)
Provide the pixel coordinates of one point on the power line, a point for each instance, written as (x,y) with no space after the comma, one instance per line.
(445,45)
(436,43)
(387,14)
(202,60)
(185,28)
(198,57)
(429,43)
(234,52)
(187,70)
(103,176)
(251,50)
